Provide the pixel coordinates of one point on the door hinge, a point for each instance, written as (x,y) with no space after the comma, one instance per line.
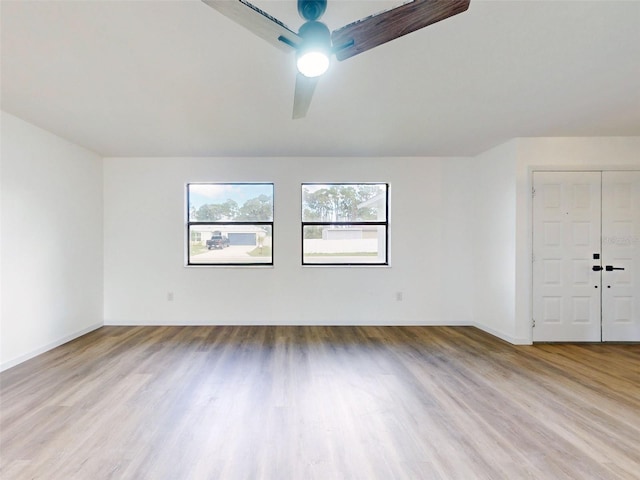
(533,323)
(533,192)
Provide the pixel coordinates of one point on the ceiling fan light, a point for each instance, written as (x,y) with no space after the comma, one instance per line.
(313,63)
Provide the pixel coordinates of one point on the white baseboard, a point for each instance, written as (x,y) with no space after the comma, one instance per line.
(50,346)
(503,336)
(293,323)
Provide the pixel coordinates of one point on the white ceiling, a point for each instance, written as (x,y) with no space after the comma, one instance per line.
(175,78)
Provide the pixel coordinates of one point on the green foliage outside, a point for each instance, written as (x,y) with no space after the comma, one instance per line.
(313,232)
(197,249)
(259,209)
(264,251)
(339,203)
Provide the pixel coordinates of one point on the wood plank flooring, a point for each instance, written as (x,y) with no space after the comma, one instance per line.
(242,402)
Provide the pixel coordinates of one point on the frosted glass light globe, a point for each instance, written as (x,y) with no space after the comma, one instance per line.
(313,63)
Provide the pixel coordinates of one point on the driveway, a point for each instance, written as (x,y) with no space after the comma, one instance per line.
(231,254)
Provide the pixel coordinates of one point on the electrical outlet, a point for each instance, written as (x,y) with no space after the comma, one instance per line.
(170,296)
(399,296)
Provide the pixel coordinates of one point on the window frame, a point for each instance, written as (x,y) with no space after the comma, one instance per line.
(193,223)
(377,223)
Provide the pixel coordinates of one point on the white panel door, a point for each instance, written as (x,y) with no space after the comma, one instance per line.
(621,250)
(566,236)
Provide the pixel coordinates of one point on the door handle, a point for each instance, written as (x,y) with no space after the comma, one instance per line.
(611,268)
(597,268)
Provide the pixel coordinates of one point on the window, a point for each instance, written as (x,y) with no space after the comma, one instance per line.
(345,223)
(230,223)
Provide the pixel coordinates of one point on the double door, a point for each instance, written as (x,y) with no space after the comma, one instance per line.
(586,256)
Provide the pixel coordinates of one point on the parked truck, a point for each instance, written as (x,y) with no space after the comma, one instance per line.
(217,241)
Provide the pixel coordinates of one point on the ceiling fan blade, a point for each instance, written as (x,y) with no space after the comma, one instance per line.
(305,87)
(257,21)
(386,26)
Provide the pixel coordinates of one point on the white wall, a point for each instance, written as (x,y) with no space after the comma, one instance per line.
(502,207)
(429,247)
(596,153)
(460,249)
(51,248)
(494,240)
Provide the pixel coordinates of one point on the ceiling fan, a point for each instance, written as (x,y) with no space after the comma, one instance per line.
(314,43)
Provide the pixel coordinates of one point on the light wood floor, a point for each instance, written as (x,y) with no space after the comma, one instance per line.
(320,403)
